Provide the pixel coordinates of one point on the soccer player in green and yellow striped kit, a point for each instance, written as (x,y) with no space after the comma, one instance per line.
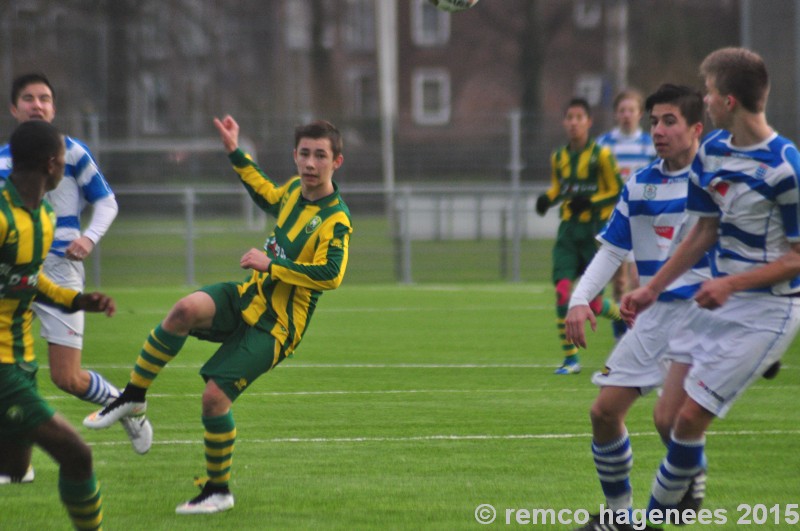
(585,180)
(27,227)
(259,321)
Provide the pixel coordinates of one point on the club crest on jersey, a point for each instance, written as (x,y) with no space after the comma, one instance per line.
(312,225)
(649,191)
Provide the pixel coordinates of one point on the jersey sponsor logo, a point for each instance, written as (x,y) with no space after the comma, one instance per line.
(17,282)
(271,246)
(240,384)
(312,225)
(337,242)
(13,237)
(665,232)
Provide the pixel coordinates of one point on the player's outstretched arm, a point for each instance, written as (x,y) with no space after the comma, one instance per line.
(228,132)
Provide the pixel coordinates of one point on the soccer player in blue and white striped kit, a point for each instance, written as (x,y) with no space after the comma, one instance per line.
(650,220)
(633,148)
(744,185)
(33,98)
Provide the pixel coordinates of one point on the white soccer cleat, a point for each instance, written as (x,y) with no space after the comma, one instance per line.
(118,409)
(27,478)
(211,500)
(139,431)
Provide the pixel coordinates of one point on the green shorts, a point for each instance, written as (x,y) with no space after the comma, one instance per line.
(22,409)
(574,249)
(246,352)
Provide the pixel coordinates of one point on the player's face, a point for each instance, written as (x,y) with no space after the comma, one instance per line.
(674,139)
(716,104)
(315,165)
(35,102)
(577,123)
(628,114)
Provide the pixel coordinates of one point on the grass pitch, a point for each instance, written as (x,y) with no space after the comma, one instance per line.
(406,407)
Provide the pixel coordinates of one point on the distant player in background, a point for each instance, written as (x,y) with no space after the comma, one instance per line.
(633,149)
(259,322)
(585,181)
(650,220)
(745,187)
(27,225)
(33,98)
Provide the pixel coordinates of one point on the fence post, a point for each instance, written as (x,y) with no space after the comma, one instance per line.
(189,201)
(405,238)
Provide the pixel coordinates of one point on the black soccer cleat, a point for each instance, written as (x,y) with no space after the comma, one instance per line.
(772,371)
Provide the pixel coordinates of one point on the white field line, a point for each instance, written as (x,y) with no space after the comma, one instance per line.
(445,437)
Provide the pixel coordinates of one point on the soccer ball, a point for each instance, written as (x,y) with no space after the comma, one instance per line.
(453,5)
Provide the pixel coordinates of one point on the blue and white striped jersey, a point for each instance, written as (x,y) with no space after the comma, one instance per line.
(651,220)
(756,195)
(631,151)
(83,184)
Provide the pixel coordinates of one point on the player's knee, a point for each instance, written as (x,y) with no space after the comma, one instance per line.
(182,316)
(603,415)
(663,422)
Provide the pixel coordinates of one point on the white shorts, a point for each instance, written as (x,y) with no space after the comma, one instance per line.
(58,326)
(732,346)
(640,358)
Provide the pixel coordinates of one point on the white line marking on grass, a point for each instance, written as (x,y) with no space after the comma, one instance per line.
(63,396)
(455,438)
(301,365)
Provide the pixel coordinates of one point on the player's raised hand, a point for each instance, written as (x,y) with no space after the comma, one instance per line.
(255,259)
(228,132)
(574,324)
(95,302)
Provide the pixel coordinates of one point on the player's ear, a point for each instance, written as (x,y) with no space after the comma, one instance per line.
(338,161)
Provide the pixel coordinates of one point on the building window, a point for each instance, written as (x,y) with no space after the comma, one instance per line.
(587,14)
(359,25)
(363,93)
(590,87)
(430,96)
(429,26)
(154,97)
(298,25)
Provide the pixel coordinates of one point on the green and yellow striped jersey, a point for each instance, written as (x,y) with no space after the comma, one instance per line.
(308,249)
(25,239)
(591,172)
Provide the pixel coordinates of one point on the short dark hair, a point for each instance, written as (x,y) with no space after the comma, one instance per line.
(320,129)
(740,73)
(579,102)
(687,99)
(20,82)
(33,144)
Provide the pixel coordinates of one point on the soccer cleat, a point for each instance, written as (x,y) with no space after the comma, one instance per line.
(694,496)
(139,431)
(772,371)
(116,410)
(569,368)
(212,500)
(596,523)
(26,478)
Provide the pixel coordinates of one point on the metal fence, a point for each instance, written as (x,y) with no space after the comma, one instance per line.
(196,235)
